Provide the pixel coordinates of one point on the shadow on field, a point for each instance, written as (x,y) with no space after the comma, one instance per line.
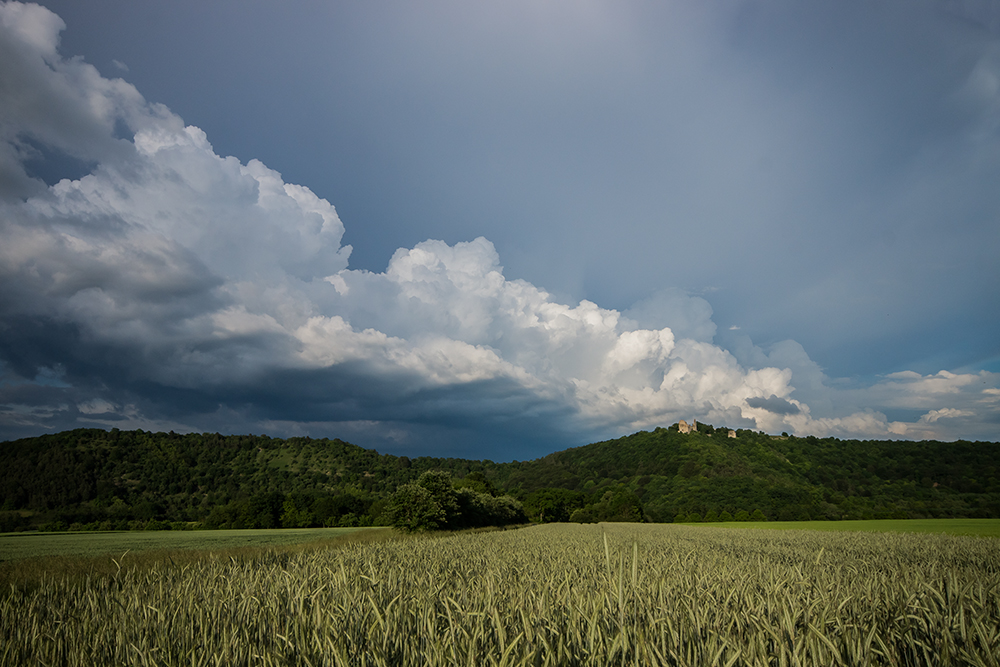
(25,574)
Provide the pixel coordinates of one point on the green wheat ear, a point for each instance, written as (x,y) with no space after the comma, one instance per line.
(607,555)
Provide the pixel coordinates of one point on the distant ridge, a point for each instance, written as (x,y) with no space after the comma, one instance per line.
(95,479)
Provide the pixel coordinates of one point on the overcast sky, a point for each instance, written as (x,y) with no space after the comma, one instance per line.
(500,229)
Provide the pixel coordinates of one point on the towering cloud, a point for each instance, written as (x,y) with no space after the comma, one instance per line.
(162,285)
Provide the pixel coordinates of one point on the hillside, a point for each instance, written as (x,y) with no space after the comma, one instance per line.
(91,478)
(126,479)
(785,478)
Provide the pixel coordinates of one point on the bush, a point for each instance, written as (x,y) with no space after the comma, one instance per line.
(412,508)
(11,521)
(52,527)
(583,515)
(505,511)
(619,506)
(443,493)
(433,503)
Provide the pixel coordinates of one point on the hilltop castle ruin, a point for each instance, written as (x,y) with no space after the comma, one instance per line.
(683,427)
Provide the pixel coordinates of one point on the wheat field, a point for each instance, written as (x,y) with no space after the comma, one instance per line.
(558,594)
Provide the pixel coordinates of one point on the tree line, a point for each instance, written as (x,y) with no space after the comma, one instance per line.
(96,479)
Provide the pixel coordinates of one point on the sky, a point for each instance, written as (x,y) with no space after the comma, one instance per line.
(497,230)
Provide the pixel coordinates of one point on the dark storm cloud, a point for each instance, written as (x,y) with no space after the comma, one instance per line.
(169,287)
(778,406)
(828,168)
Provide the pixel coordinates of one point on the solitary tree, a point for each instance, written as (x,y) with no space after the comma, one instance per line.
(412,508)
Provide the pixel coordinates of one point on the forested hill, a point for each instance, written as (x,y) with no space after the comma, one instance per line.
(707,474)
(129,479)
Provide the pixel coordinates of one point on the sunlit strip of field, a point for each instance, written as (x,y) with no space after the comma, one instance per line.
(15,546)
(978,527)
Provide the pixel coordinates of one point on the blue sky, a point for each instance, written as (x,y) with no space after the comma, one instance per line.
(500,229)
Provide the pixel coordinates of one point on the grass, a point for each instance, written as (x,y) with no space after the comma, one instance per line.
(974,527)
(15,546)
(27,558)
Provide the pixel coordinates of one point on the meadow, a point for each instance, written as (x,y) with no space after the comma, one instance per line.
(26,558)
(555,594)
(15,546)
(976,527)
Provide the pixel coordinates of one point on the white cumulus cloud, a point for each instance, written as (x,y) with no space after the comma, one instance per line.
(195,289)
